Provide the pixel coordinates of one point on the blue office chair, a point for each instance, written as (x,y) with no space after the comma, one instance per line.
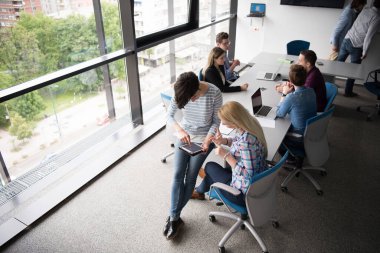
(200,75)
(316,150)
(331,92)
(296,46)
(169,129)
(373,85)
(260,204)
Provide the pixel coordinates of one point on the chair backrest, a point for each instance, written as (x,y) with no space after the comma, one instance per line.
(331,92)
(178,116)
(200,75)
(261,196)
(315,138)
(296,46)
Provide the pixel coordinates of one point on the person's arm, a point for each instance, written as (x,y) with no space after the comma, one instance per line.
(182,134)
(218,101)
(345,19)
(285,104)
(212,76)
(368,37)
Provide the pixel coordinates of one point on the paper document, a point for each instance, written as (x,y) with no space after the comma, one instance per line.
(265,122)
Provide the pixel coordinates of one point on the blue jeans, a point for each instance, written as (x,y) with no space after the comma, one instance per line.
(216,173)
(355,53)
(186,170)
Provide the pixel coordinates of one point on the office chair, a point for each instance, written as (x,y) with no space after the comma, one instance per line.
(316,150)
(296,46)
(373,87)
(169,130)
(331,92)
(260,204)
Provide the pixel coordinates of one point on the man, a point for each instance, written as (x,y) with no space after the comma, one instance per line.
(314,79)
(358,39)
(224,43)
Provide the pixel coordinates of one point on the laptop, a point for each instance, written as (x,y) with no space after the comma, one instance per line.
(260,110)
(269,76)
(257,10)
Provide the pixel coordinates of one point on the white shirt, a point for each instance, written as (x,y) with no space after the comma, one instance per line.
(364,27)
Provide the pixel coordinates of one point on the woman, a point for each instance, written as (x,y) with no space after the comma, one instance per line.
(213,72)
(246,156)
(346,20)
(200,102)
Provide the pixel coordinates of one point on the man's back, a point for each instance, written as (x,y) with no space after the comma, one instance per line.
(316,81)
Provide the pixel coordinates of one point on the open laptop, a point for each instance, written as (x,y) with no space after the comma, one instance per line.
(257,10)
(269,76)
(260,110)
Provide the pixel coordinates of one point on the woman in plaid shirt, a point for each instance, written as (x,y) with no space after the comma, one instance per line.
(246,156)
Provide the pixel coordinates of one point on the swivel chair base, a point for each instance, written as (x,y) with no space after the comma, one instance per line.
(297,170)
(375,108)
(163,159)
(242,223)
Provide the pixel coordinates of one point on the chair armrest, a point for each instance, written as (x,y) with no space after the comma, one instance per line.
(226,188)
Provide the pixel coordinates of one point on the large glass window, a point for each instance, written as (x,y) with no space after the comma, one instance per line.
(210,10)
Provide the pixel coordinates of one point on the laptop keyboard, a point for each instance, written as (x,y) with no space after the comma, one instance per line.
(268,75)
(264,110)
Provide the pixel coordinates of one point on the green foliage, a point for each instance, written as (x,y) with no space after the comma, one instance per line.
(20,127)
(29,105)
(4,121)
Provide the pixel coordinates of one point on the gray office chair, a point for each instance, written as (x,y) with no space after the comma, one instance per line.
(372,84)
(316,150)
(169,130)
(260,204)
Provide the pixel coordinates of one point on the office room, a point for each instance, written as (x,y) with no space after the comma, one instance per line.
(115,196)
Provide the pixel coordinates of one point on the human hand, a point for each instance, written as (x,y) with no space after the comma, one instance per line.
(217,139)
(244,86)
(286,89)
(278,87)
(220,151)
(363,56)
(335,48)
(184,136)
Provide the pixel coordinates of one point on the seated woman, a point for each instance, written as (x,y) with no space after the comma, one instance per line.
(246,156)
(213,72)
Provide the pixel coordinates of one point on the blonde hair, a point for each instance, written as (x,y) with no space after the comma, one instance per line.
(214,54)
(233,112)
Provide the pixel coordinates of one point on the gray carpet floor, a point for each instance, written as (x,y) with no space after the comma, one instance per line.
(124,209)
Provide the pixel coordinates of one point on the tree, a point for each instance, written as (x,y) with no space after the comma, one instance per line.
(29,105)
(20,128)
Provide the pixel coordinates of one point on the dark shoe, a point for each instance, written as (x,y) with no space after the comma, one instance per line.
(197,195)
(350,95)
(166,227)
(174,227)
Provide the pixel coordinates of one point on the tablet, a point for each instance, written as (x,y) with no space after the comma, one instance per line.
(192,148)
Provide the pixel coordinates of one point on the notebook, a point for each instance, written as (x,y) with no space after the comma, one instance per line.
(257,10)
(269,76)
(260,110)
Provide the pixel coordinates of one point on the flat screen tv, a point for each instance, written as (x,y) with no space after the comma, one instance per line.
(315,3)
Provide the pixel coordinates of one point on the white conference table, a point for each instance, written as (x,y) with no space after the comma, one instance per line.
(328,69)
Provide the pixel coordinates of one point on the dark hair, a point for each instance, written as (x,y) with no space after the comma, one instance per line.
(310,56)
(185,87)
(376,3)
(297,75)
(355,4)
(221,36)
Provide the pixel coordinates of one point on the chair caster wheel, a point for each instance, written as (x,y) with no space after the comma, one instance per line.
(163,160)
(297,174)
(242,226)
(323,173)
(275,224)
(219,203)
(358,108)
(211,218)
(284,189)
(222,250)
(369,119)
(319,192)
(172,145)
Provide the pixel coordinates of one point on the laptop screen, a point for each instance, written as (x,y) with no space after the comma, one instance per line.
(257,101)
(257,8)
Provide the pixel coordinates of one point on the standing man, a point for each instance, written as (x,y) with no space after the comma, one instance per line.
(224,43)
(358,39)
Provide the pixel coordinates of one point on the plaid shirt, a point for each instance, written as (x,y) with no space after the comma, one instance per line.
(249,153)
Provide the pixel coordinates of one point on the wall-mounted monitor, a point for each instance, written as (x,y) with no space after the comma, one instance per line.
(315,3)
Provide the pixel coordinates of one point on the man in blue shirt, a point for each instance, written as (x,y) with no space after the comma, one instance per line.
(224,43)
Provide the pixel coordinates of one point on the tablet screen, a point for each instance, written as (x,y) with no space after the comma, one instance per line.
(192,148)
